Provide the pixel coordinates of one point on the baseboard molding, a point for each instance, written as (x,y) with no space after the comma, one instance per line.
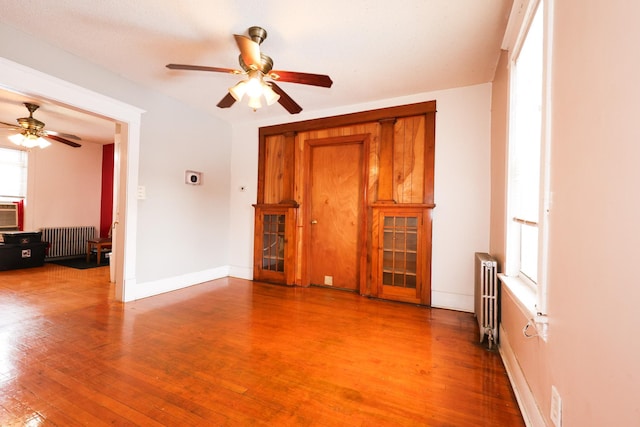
(241,272)
(157,287)
(527,402)
(452,301)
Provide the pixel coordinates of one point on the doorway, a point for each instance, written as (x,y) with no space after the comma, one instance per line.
(21,79)
(335,209)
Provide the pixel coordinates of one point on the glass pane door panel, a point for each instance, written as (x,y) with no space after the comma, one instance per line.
(411,262)
(273,242)
(400,245)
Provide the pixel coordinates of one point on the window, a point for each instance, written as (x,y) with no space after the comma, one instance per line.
(13,174)
(527,155)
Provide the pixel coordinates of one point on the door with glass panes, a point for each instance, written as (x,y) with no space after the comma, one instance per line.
(273,256)
(401,262)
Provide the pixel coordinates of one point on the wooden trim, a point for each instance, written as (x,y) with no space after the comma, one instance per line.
(525,222)
(350,119)
(385,160)
(363,233)
(288,174)
(403,205)
(427,242)
(337,140)
(429,157)
(262,143)
(287,204)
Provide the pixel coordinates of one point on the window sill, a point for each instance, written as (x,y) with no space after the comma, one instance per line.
(526,299)
(523,295)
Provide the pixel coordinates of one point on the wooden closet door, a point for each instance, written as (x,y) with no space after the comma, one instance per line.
(402,252)
(335,208)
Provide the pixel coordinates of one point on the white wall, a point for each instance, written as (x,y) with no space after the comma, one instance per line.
(461,216)
(244,173)
(462,189)
(185,225)
(64,186)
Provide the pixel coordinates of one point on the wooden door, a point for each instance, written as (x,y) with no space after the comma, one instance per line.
(402,254)
(335,212)
(274,248)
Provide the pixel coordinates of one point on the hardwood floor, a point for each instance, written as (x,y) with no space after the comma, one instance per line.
(234,353)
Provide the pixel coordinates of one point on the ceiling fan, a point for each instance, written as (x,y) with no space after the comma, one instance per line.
(31,131)
(257,66)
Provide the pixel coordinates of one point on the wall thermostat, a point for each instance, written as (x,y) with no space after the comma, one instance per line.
(193,178)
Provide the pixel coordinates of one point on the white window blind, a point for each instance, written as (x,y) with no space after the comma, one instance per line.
(13,174)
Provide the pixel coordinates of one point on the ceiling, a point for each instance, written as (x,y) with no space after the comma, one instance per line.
(372,49)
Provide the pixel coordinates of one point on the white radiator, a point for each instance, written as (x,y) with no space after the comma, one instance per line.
(67,241)
(486,297)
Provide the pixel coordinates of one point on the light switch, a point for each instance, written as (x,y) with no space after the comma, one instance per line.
(142,192)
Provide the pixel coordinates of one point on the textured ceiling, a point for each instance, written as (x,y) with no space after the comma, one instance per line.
(372,49)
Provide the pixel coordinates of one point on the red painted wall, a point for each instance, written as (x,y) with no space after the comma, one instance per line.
(106,202)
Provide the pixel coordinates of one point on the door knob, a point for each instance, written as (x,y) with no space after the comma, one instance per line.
(314,221)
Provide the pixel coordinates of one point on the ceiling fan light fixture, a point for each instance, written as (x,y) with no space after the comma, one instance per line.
(269,94)
(239,90)
(254,84)
(29,140)
(43,143)
(255,88)
(17,138)
(254,102)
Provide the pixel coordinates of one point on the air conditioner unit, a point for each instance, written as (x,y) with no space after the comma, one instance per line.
(8,216)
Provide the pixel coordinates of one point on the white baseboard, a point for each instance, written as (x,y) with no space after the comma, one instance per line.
(241,272)
(527,402)
(451,301)
(156,287)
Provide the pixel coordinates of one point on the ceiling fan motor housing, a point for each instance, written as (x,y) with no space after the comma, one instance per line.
(257,34)
(29,123)
(265,61)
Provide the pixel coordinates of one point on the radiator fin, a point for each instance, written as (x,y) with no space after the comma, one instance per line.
(486,297)
(67,241)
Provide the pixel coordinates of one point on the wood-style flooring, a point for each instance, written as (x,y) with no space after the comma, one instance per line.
(237,353)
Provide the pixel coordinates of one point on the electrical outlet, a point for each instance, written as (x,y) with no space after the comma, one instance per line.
(556,407)
(328,280)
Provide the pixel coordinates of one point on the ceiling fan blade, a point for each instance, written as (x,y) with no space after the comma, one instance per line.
(285,100)
(12,126)
(62,140)
(201,68)
(302,78)
(62,135)
(250,51)
(227,101)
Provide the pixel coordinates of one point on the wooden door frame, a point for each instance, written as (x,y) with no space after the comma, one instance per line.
(309,144)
